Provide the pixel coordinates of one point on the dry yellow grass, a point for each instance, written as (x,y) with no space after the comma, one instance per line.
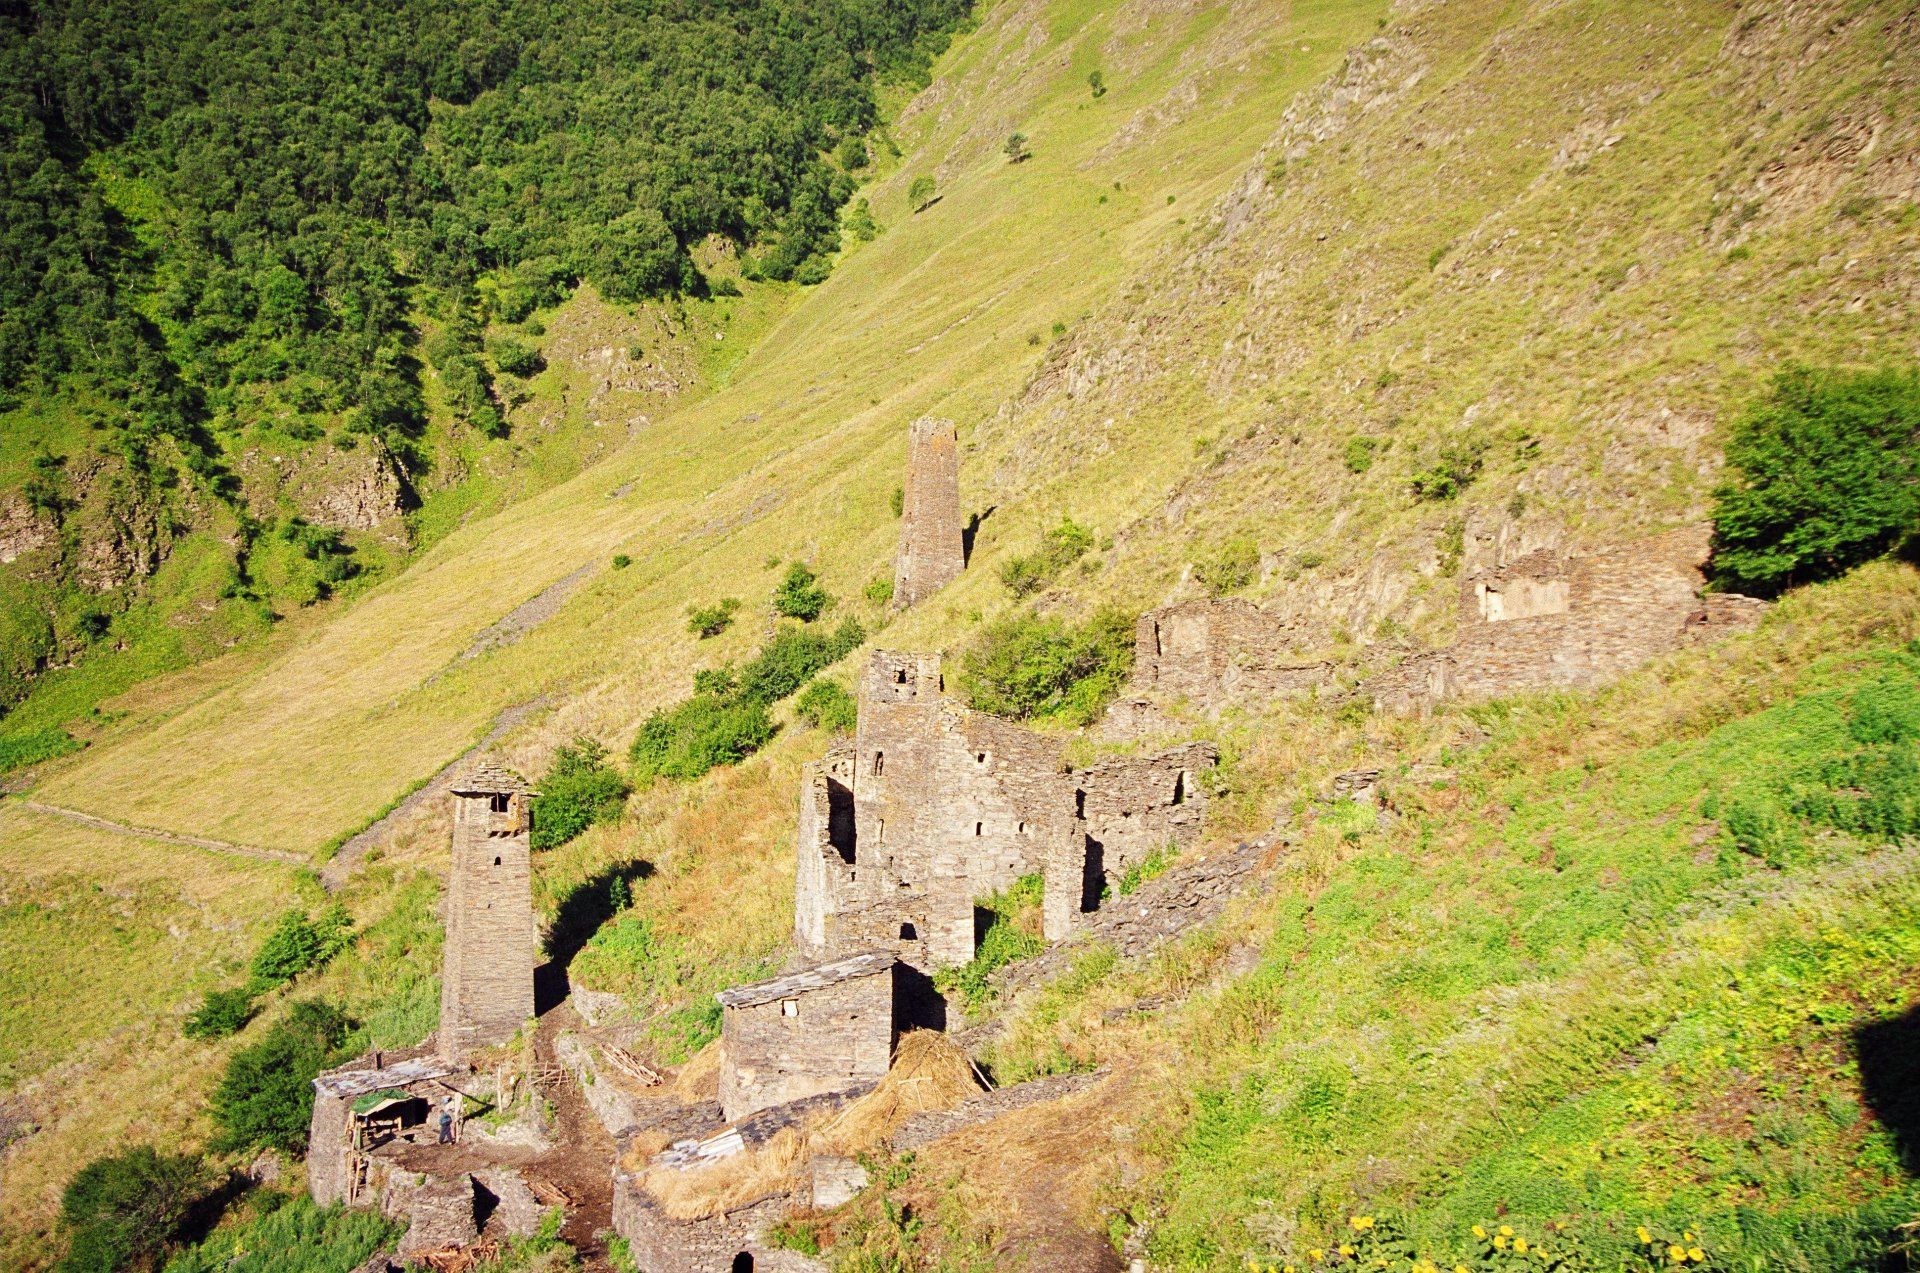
(696,1193)
(699,1078)
(929,1072)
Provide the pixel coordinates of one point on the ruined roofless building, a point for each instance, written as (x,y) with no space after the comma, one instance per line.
(935,806)
(486,990)
(931,552)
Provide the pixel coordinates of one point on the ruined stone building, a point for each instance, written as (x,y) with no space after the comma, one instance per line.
(826,1028)
(1548,620)
(486,991)
(934,806)
(1213,652)
(932,554)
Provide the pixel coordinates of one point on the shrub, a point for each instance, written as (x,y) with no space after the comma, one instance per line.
(294,1236)
(1027,666)
(860,222)
(920,194)
(1097,83)
(711,621)
(880,591)
(1825,475)
(265,1098)
(516,357)
(1059,548)
(799,595)
(124,1211)
(578,790)
(1359,454)
(1017,150)
(1455,470)
(897,502)
(705,731)
(1012,933)
(792,658)
(297,944)
(1229,568)
(852,153)
(621,561)
(221,1013)
(827,705)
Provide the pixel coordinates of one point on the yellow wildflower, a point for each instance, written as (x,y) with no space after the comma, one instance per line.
(1644,1235)
(1479,1232)
(1695,1254)
(1520,1245)
(1459,1268)
(1345,1249)
(1677,1253)
(1506,1230)
(1318,1254)
(1361,1222)
(1500,1241)
(1686,1237)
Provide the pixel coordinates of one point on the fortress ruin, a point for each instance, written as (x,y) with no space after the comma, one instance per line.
(1213,652)
(1549,620)
(932,553)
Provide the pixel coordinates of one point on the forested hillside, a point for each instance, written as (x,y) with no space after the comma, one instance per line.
(314,228)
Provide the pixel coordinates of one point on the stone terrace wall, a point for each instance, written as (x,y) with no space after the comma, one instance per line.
(1553,621)
(661,1244)
(932,554)
(1213,652)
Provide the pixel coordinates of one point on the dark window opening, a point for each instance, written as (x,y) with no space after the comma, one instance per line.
(1180,787)
(879,762)
(899,676)
(979,757)
(842,830)
(497,802)
(496,861)
(909,933)
(1023,828)
(1079,804)
(978,827)
(743,1262)
(1093,876)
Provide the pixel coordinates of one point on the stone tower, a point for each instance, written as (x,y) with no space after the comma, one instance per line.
(931,553)
(486,990)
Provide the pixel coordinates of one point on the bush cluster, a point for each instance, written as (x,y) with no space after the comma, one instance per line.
(711,621)
(125,1210)
(1012,933)
(1027,666)
(828,705)
(727,719)
(1228,568)
(578,790)
(800,595)
(1459,463)
(265,1097)
(1059,548)
(1825,474)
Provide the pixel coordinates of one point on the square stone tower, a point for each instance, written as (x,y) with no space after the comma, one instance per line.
(931,552)
(486,989)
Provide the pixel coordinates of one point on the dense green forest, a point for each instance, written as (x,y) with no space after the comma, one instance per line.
(219,214)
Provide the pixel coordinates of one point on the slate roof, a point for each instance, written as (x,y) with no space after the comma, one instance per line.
(351,1083)
(817,977)
(487,776)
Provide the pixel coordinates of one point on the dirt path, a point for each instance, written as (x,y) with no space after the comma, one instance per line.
(165,837)
(580,1164)
(341,866)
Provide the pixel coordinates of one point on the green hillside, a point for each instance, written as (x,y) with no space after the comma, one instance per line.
(1367,287)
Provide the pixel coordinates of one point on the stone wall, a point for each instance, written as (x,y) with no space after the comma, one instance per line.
(817,1030)
(662,1244)
(935,806)
(932,554)
(1548,620)
(486,990)
(1213,652)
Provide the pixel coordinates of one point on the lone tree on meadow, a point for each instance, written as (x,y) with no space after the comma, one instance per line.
(1017,150)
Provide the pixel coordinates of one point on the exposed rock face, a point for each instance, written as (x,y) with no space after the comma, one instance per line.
(362,490)
(23,531)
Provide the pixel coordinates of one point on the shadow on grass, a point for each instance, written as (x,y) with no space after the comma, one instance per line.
(587,906)
(1889,1053)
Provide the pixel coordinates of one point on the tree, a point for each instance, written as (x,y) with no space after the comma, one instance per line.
(1026,666)
(578,790)
(1016,148)
(124,1211)
(1825,475)
(799,595)
(634,256)
(265,1098)
(1098,83)
(920,195)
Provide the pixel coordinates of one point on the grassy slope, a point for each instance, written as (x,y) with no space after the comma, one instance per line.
(1228,328)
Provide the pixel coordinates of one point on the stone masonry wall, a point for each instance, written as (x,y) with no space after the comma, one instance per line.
(661,1244)
(487,988)
(1555,621)
(932,554)
(1215,651)
(949,805)
(789,1047)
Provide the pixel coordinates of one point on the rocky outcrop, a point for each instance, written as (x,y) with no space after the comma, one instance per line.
(358,488)
(22,530)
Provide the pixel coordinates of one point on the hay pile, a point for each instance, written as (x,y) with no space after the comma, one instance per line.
(727,1184)
(929,1072)
(699,1078)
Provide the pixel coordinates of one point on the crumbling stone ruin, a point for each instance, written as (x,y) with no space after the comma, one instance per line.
(932,554)
(486,991)
(1214,652)
(934,806)
(822,1029)
(1560,621)
(347,1127)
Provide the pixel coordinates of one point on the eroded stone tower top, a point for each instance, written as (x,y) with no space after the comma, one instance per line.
(931,552)
(486,988)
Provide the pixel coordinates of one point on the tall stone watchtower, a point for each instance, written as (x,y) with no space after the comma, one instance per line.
(931,553)
(486,989)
